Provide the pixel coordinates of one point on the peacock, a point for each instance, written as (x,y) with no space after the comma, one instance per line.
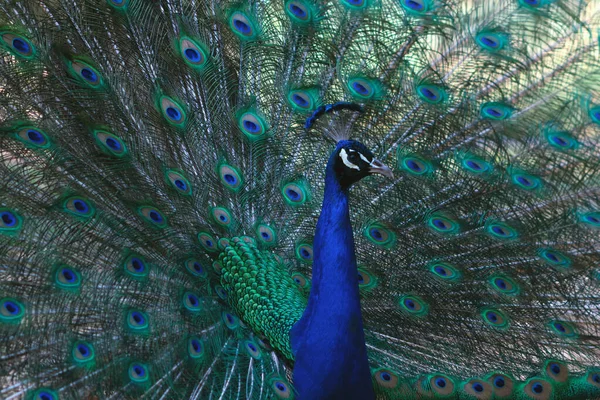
(299,199)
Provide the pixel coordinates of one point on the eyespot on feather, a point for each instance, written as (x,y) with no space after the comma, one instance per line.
(386,378)
(230,177)
(496,111)
(193,54)
(172,111)
(67,278)
(79,207)
(243,26)
(17,45)
(85,73)
(153,216)
(12,310)
(10,222)
(195,348)
(83,352)
(33,137)
(179,182)
(44,393)
(538,389)
(110,143)
(138,373)
(304,252)
(207,241)
(195,267)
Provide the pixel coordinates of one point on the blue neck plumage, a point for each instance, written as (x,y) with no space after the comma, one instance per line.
(328,341)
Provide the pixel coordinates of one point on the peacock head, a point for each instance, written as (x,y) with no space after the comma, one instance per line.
(352,161)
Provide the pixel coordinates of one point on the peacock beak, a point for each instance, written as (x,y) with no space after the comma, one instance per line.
(377,167)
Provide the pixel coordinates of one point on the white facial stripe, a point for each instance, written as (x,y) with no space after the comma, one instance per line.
(347,163)
(364,158)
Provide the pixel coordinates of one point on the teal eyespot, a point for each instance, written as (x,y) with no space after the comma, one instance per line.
(300,280)
(230,177)
(386,378)
(79,207)
(243,26)
(593,377)
(379,235)
(444,271)
(193,54)
(503,385)
(474,165)
(221,216)
(17,45)
(281,388)
(110,143)
(195,347)
(496,111)
(561,141)
(355,5)
(33,137)
(136,267)
(207,241)
(556,371)
(479,389)
(118,4)
(538,388)
(526,181)
(495,318)
(534,4)
(555,258)
(83,352)
(414,165)
(10,222)
(153,216)
(85,73)
(562,328)
(299,11)
(231,321)
(44,393)
(191,302)
(432,94)
(364,88)
(594,113)
(252,349)
(67,278)
(504,285)
(221,292)
(266,234)
(441,385)
(137,321)
(12,310)
(138,373)
(295,193)
(303,100)
(172,111)
(195,267)
(442,224)
(413,305)
(217,267)
(179,182)
(501,231)
(491,41)
(223,243)
(366,280)
(304,252)
(416,7)
(252,126)
(591,219)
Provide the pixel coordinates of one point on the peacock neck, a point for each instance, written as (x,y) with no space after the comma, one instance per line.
(328,342)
